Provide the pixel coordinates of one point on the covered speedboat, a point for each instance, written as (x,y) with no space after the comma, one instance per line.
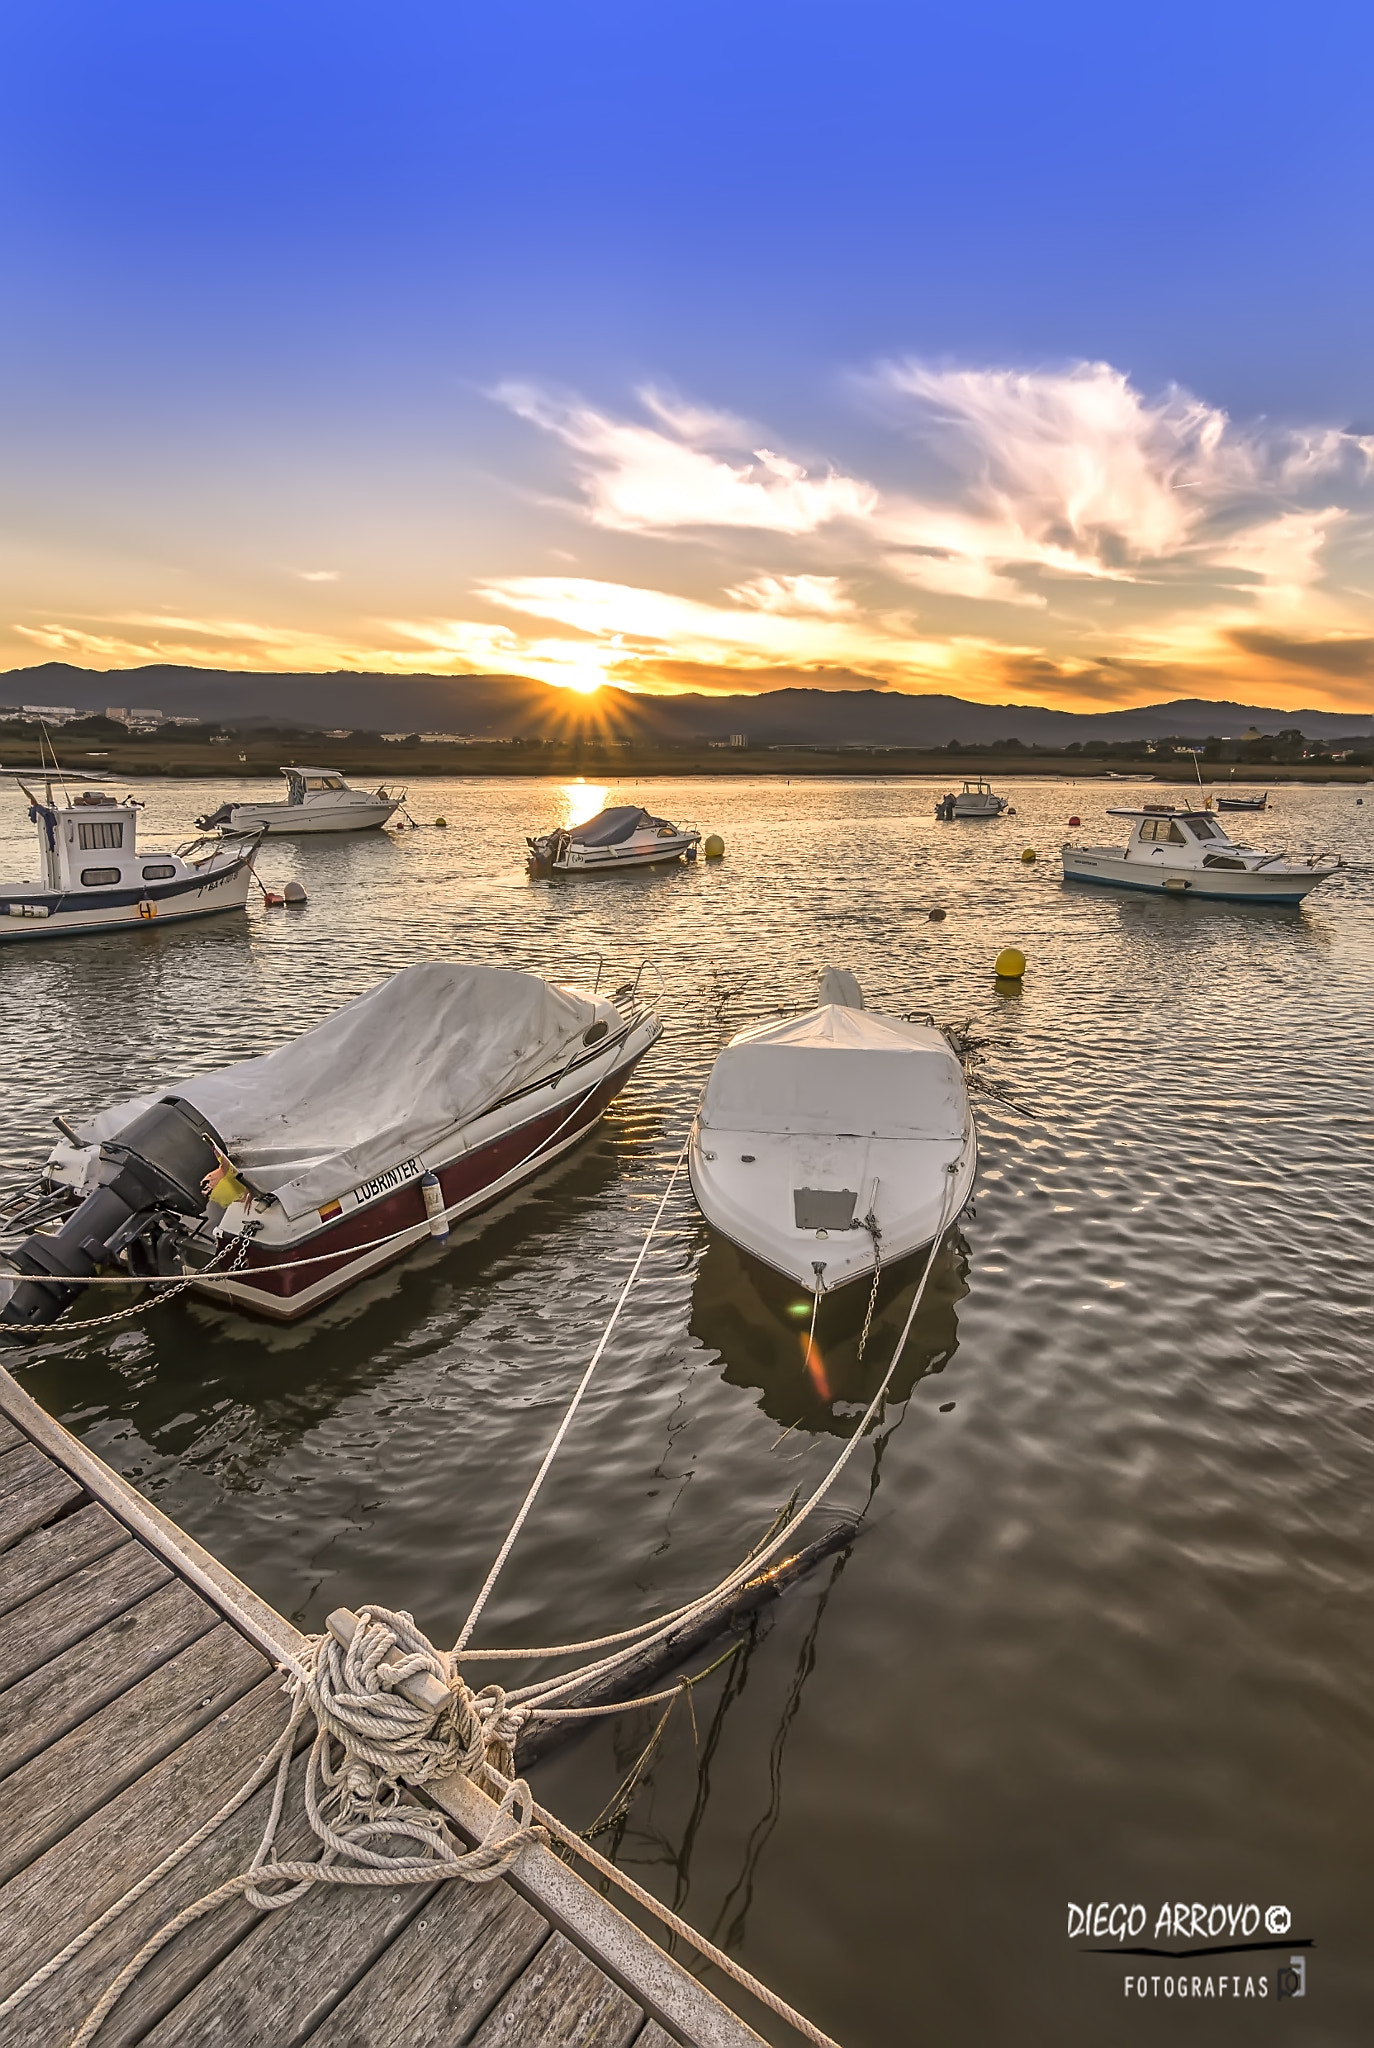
(829,1140)
(1183,852)
(94,877)
(317,800)
(300,1172)
(977,799)
(623,837)
(1244,803)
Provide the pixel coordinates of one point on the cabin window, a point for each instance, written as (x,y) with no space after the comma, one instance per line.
(98,878)
(1161,828)
(333,782)
(159,871)
(316,782)
(1202,829)
(91,837)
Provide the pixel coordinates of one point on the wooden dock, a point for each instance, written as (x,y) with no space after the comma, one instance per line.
(137,1690)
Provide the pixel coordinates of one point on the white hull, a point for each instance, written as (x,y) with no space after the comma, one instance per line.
(969,807)
(1230,885)
(913,1186)
(611,859)
(20,918)
(292,821)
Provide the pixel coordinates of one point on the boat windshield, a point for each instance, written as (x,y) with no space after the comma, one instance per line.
(1202,828)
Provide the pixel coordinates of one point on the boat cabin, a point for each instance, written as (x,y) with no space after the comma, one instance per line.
(303,782)
(1159,826)
(91,842)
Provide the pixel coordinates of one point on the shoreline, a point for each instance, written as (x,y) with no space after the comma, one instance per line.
(248,759)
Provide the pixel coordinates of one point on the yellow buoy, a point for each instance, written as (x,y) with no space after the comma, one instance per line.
(1028,853)
(441,823)
(1011,964)
(714,849)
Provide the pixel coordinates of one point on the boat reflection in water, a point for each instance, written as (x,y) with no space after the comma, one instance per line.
(759,1324)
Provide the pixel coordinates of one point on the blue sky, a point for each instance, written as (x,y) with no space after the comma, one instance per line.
(1023,352)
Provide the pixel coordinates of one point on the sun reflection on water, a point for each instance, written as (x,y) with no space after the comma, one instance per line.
(582,800)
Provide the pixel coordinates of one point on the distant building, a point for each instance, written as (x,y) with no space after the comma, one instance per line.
(183,721)
(343,732)
(56,714)
(443,739)
(739,739)
(118,712)
(141,715)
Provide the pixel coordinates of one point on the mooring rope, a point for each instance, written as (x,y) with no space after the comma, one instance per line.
(549,1688)
(552,1452)
(356,1804)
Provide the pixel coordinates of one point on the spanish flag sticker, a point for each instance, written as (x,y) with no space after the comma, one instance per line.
(330,1211)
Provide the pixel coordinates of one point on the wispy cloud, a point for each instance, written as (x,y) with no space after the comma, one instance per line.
(318,575)
(639,478)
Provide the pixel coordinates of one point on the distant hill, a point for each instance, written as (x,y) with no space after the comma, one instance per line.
(509,707)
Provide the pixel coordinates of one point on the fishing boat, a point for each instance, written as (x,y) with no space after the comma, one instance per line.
(1184,852)
(977,799)
(317,800)
(1244,803)
(828,1141)
(623,837)
(302,1171)
(94,877)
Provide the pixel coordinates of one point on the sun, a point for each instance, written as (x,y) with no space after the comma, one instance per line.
(586,686)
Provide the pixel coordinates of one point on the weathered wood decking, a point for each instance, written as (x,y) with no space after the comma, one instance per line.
(137,1690)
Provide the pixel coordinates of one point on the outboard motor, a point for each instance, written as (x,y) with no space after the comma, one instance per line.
(223,816)
(154,1164)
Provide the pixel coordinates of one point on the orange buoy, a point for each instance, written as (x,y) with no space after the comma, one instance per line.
(1075,821)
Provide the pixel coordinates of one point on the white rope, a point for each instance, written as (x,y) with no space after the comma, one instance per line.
(552,1452)
(355,1805)
(549,1688)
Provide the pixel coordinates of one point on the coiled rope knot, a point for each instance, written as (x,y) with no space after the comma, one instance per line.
(390,1741)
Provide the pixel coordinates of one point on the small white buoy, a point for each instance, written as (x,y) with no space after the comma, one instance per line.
(434,1205)
(293,893)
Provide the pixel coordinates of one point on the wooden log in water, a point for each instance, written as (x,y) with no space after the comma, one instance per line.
(640,1673)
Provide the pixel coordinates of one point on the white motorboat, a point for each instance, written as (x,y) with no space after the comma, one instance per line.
(623,837)
(977,799)
(95,878)
(302,1171)
(826,1140)
(1183,852)
(317,800)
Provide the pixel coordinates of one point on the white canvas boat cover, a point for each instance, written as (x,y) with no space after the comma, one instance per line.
(838,1072)
(382,1079)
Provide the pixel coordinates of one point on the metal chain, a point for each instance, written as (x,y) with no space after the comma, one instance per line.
(139,1308)
(871,1226)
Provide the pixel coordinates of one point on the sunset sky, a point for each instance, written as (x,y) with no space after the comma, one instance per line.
(1019,352)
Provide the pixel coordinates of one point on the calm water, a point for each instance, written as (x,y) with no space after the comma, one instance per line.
(1106,1637)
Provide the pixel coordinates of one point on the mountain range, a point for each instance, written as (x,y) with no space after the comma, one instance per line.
(511,707)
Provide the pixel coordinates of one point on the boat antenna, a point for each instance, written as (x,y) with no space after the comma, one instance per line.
(56,776)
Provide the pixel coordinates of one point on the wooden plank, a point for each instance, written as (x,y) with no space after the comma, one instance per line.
(654,2036)
(75,1686)
(32,1490)
(76,1880)
(59,1789)
(52,1554)
(58,2009)
(239,1603)
(560,2001)
(9,1435)
(84,1601)
(292,1969)
(441,1977)
(664,1987)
